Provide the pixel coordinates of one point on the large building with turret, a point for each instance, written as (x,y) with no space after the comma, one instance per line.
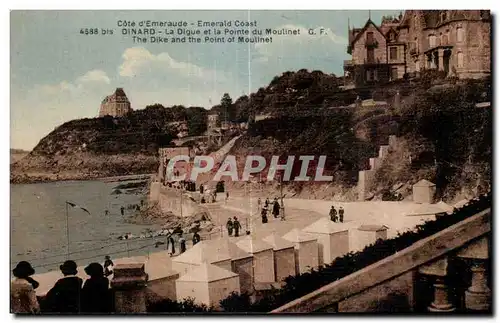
(457,42)
(115,105)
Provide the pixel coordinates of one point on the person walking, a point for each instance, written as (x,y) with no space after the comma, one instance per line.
(229,227)
(333,214)
(266,203)
(170,241)
(122,210)
(263,214)
(22,290)
(108,266)
(96,296)
(182,243)
(196,238)
(65,296)
(276,208)
(341,214)
(227,196)
(237,227)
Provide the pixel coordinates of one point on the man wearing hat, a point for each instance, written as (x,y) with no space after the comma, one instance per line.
(96,297)
(64,297)
(22,291)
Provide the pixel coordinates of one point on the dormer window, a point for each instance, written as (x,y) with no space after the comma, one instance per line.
(443,16)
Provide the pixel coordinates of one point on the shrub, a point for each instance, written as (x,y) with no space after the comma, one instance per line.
(170,306)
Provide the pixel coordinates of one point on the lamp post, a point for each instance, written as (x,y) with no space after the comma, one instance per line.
(281,194)
(67,232)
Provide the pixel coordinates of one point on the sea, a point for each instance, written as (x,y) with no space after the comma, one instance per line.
(40,223)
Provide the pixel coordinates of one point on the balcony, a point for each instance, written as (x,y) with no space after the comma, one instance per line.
(348,63)
(371,44)
(372,61)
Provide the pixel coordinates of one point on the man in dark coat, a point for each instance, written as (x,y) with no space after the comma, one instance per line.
(229,227)
(276,208)
(333,214)
(65,296)
(96,296)
(341,214)
(237,227)
(263,214)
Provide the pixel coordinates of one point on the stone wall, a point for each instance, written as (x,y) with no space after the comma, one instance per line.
(170,200)
(366,176)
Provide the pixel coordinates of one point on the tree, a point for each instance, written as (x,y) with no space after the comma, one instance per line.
(227,107)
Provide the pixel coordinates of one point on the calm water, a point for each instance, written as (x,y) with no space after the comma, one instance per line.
(38,223)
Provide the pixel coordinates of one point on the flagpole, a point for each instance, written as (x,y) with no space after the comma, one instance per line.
(67,232)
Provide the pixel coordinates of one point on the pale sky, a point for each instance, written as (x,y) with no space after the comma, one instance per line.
(58,75)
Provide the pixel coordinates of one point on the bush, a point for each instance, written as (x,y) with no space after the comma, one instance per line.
(236,303)
(169,306)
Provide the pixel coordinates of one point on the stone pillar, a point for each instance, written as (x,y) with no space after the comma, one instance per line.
(441,302)
(441,59)
(129,285)
(438,269)
(161,169)
(478,295)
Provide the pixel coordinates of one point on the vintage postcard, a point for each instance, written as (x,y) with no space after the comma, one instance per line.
(250,161)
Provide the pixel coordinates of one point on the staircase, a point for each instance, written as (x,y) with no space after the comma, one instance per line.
(446,272)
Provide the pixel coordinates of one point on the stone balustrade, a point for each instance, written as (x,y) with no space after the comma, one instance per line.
(432,259)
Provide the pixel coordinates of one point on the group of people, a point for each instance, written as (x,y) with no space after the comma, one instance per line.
(182,241)
(337,216)
(70,295)
(274,207)
(233,225)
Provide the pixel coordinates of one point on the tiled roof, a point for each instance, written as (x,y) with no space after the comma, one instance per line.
(207,273)
(297,235)
(428,209)
(278,242)
(325,225)
(253,245)
(228,248)
(203,252)
(372,227)
(424,183)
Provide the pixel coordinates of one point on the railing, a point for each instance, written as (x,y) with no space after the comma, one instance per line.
(371,44)
(372,61)
(348,62)
(427,257)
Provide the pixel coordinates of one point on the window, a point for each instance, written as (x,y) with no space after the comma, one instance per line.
(369,37)
(393,53)
(444,39)
(460,59)
(371,75)
(460,34)
(443,16)
(432,40)
(394,73)
(370,55)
